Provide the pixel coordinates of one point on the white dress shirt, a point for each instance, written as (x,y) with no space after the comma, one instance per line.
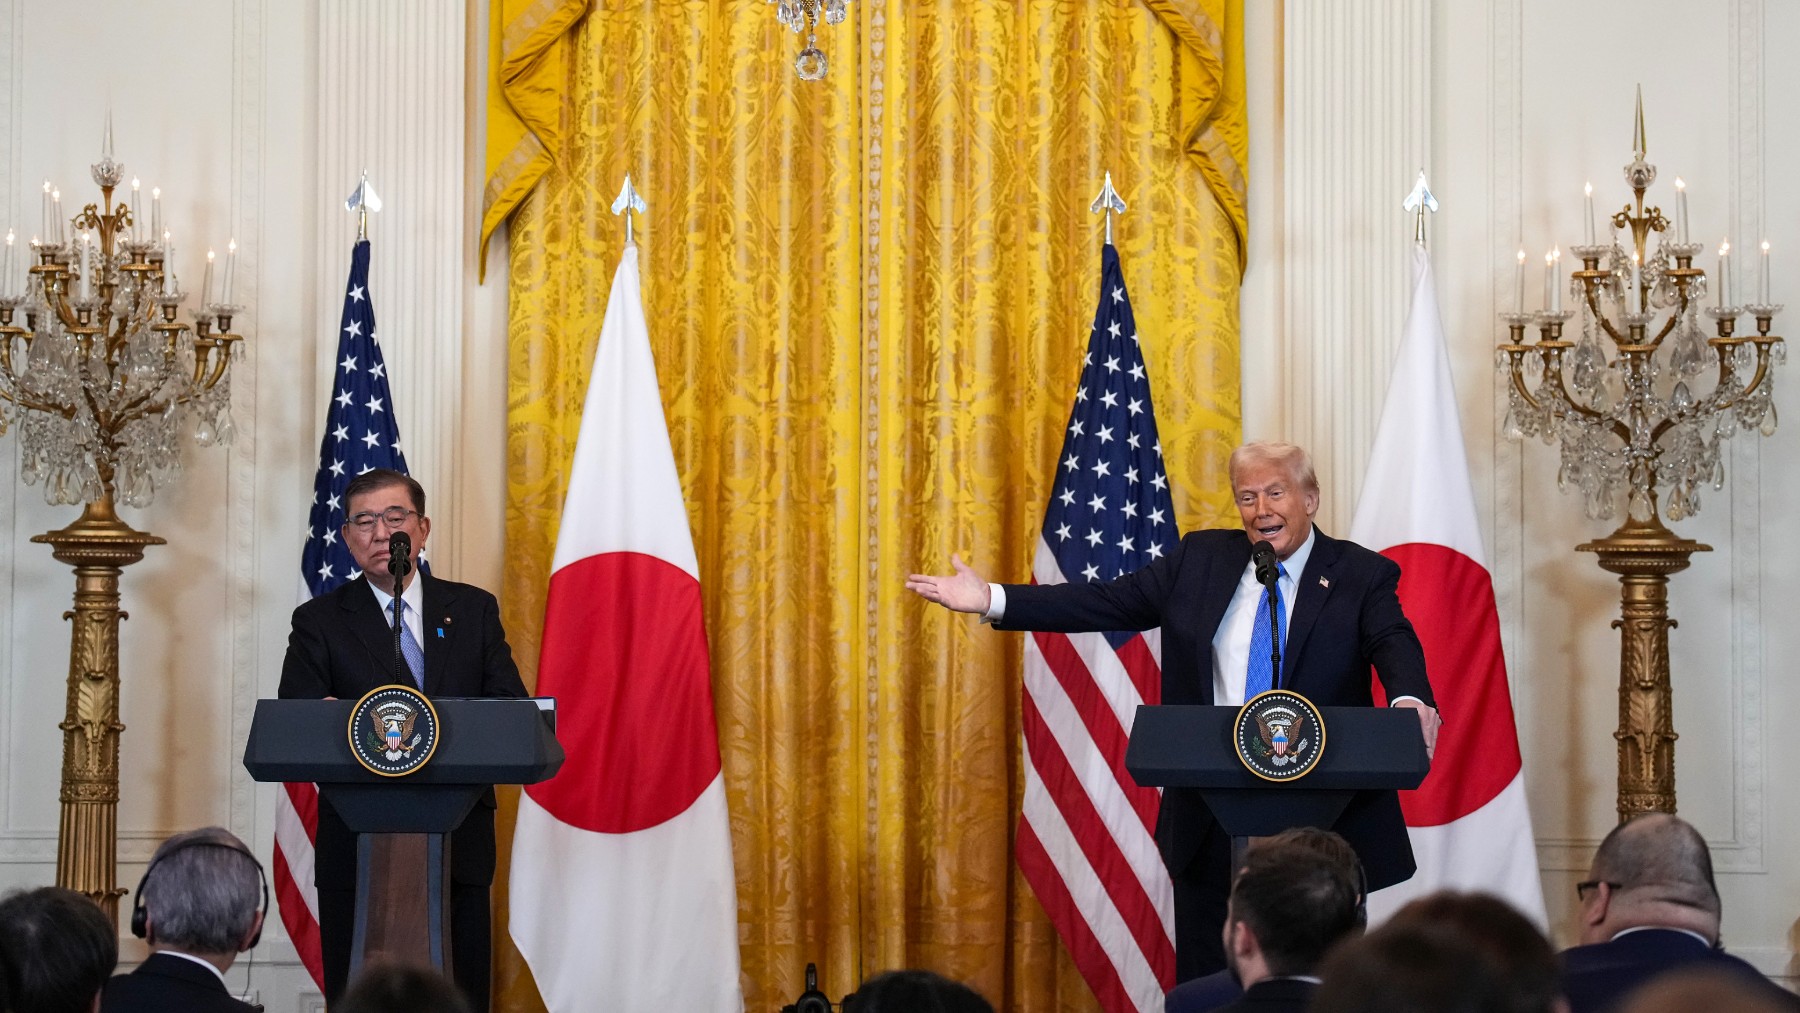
(413,614)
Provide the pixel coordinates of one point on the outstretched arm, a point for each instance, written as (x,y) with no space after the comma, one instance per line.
(963,591)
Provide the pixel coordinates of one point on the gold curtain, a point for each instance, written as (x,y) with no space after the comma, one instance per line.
(869,298)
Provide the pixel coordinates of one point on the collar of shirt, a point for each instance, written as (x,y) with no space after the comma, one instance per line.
(1231,641)
(1664,928)
(414,597)
(209,965)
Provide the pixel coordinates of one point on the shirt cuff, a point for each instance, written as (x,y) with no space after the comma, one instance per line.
(1409,697)
(996,609)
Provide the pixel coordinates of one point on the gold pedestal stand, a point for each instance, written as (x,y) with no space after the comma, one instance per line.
(1643,554)
(98,546)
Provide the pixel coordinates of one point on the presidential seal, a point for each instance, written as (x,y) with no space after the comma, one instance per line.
(1280,735)
(393,730)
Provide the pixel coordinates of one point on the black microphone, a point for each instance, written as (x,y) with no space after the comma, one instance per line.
(400,554)
(1264,555)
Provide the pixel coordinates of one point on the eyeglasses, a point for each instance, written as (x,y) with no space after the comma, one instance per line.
(1587,886)
(394,516)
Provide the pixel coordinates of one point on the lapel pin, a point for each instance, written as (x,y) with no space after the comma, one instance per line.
(1324,583)
(440,632)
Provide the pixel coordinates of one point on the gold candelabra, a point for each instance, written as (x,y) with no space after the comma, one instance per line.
(101,381)
(1634,425)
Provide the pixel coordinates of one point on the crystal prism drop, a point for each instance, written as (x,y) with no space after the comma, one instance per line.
(810,65)
(834,12)
(1680,400)
(1511,428)
(1639,505)
(1768,423)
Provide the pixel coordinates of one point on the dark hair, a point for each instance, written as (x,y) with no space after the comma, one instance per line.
(382,478)
(1296,901)
(57,948)
(1338,852)
(1409,968)
(384,987)
(1504,937)
(914,991)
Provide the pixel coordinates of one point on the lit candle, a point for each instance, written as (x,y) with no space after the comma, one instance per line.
(1681,233)
(56,235)
(1556,279)
(206,281)
(1637,281)
(1519,285)
(230,263)
(86,290)
(168,263)
(45,231)
(1549,284)
(137,211)
(156,212)
(1589,235)
(6,267)
(1762,278)
(1724,274)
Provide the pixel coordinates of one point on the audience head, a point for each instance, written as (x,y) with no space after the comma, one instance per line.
(1512,945)
(202,894)
(1707,988)
(1409,968)
(915,992)
(57,948)
(1656,870)
(387,987)
(1290,903)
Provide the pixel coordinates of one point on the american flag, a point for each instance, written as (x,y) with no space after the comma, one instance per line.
(1086,841)
(360,435)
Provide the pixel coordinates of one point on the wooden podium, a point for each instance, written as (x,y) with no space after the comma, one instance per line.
(403,823)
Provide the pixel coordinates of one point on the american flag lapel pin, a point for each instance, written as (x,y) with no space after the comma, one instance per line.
(1324,583)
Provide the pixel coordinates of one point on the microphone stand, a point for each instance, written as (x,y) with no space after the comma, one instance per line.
(1274,634)
(399,565)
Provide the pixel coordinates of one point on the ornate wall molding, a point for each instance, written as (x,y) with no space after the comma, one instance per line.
(391,99)
(1356,133)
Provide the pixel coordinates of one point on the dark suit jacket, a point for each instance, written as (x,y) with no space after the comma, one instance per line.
(1203,994)
(343,646)
(1597,976)
(166,984)
(1275,995)
(1346,621)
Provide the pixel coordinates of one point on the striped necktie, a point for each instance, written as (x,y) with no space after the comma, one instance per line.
(415,655)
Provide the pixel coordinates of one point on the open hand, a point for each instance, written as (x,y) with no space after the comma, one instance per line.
(964,591)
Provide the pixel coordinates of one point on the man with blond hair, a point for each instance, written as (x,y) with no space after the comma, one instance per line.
(1338,610)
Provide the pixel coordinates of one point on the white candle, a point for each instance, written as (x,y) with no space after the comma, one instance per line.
(206,282)
(6,267)
(137,212)
(1637,281)
(1724,274)
(1519,285)
(1548,283)
(56,215)
(1681,232)
(86,289)
(45,231)
(156,228)
(1762,279)
(1556,279)
(230,264)
(168,264)
(1589,235)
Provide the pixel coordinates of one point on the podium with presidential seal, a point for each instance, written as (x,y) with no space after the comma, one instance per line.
(403,770)
(1266,767)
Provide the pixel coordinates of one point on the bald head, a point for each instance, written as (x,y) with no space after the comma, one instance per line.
(1654,870)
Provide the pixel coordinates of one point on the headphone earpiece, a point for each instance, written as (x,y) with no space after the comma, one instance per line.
(140,915)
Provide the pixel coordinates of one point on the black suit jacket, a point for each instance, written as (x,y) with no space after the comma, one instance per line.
(1274,995)
(168,984)
(1597,976)
(1346,624)
(343,646)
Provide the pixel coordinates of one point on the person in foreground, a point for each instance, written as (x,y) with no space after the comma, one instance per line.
(915,991)
(1289,906)
(1340,616)
(342,646)
(391,988)
(200,903)
(1649,906)
(56,950)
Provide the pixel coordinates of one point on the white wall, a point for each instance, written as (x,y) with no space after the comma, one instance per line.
(254,116)
(1510,106)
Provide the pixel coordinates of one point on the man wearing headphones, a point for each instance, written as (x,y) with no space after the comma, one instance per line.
(200,904)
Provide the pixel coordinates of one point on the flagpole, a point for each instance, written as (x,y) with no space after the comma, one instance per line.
(1418,202)
(1108,201)
(627,202)
(362,200)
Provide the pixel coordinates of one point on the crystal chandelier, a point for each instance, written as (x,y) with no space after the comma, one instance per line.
(804,16)
(102,381)
(103,384)
(1639,419)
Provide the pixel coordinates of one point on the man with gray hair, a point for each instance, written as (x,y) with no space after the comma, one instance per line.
(200,904)
(1649,905)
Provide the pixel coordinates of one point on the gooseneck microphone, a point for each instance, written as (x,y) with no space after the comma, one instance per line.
(1267,573)
(400,554)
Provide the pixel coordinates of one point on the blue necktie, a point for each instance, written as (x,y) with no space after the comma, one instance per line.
(1259,677)
(415,656)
